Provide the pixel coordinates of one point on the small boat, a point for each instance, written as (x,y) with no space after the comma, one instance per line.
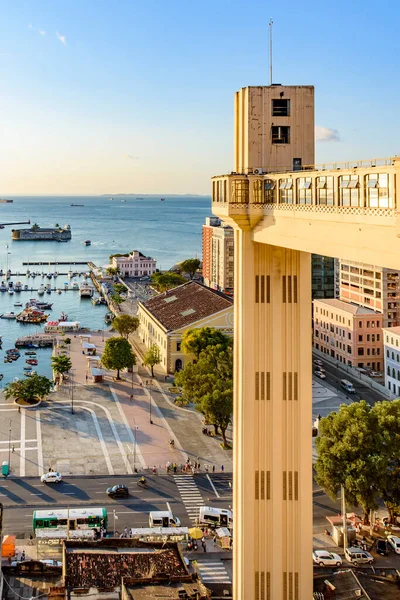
(87,242)
(31,361)
(63,317)
(17,303)
(1,376)
(41,289)
(10,290)
(30,373)
(59,291)
(3,287)
(49,275)
(30,353)
(28,368)
(18,286)
(162,199)
(66,285)
(108,317)
(75,285)
(48,291)
(9,315)
(26,288)
(77,205)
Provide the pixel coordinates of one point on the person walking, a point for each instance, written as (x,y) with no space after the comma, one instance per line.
(203,543)
(131,397)
(222,468)
(12,448)
(213,468)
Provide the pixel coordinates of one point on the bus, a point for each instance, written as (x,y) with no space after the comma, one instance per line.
(69,522)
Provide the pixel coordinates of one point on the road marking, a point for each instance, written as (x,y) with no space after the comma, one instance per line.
(100,492)
(98,431)
(3,494)
(68,493)
(38,485)
(22,450)
(169,507)
(213,486)
(39,443)
(132,436)
(6,442)
(37,494)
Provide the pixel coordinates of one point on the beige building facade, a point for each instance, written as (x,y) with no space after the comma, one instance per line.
(281,215)
(373,287)
(163,320)
(134,264)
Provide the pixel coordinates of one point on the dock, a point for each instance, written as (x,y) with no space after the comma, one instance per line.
(55,262)
(43,340)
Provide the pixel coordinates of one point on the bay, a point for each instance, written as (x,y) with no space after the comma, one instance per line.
(169,231)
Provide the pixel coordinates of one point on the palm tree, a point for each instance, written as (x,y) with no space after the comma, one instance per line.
(61,364)
(113,271)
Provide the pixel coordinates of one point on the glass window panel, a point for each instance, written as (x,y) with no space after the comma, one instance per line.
(372,183)
(289,184)
(282,185)
(269,184)
(344,184)
(321,184)
(353,184)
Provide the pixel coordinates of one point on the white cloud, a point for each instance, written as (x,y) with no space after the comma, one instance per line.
(39,30)
(131,157)
(326,134)
(42,32)
(30,26)
(62,38)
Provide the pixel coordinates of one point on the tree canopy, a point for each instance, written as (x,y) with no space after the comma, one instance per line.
(120,288)
(359,448)
(190,266)
(209,381)
(195,341)
(112,270)
(118,355)
(61,364)
(167,281)
(125,324)
(152,357)
(28,390)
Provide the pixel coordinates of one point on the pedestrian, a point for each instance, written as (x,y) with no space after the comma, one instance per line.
(206,468)
(213,468)
(23,555)
(167,466)
(154,470)
(126,532)
(12,448)
(19,409)
(175,468)
(203,543)
(131,397)
(222,468)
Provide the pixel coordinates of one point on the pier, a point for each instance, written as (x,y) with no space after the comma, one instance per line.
(43,340)
(55,262)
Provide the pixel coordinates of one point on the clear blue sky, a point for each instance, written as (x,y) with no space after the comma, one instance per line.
(137,96)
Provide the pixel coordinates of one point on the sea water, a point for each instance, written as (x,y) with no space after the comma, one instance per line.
(169,231)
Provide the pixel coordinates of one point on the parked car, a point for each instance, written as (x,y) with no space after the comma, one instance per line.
(51,477)
(356,556)
(118,491)
(326,559)
(382,547)
(318,362)
(51,563)
(394,541)
(320,374)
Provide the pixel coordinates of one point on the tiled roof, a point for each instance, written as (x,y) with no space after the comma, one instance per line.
(186,304)
(353,309)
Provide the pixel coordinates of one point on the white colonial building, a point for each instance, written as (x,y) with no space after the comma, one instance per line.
(391,341)
(134,264)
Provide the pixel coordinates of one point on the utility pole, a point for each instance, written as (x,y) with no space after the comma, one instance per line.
(134,446)
(344,518)
(9,447)
(150,400)
(72,392)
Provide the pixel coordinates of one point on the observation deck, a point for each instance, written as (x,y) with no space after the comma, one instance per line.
(347,210)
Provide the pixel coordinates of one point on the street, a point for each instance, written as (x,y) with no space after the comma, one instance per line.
(182,494)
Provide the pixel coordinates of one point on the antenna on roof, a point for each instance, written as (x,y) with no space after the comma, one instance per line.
(270,51)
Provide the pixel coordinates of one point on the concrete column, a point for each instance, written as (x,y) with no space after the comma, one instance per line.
(273,420)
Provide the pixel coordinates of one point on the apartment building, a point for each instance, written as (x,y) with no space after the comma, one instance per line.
(218,255)
(348,333)
(134,264)
(322,276)
(391,342)
(374,287)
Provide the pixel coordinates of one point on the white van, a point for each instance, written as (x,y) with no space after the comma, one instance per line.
(356,556)
(347,386)
(163,518)
(216,517)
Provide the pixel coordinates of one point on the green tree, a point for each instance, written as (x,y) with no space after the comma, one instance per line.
(190,266)
(347,455)
(61,364)
(209,383)
(152,357)
(116,298)
(28,390)
(67,340)
(125,325)
(167,281)
(194,341)
(112,271)
(120,288)
(118,355)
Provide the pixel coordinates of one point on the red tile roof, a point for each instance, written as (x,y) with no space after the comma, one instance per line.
(186,304)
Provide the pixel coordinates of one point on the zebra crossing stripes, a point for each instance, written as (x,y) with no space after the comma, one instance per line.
(213,571)
(190,495)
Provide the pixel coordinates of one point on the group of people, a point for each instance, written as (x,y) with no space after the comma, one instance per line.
(188,467)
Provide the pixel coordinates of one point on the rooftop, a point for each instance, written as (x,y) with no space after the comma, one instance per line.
(359,584)
(186,304)
(353,309)
(392,330)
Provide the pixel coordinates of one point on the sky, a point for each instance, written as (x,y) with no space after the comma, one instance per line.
(136,96)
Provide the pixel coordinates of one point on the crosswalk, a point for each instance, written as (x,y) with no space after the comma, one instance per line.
(213,571)
(222,483)
(190,495)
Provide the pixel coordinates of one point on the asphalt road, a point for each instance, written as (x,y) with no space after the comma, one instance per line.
(20,497)
(334,376)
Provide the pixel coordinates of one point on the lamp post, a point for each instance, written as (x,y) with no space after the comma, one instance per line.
(9,447)
(134,445)
(150,400)
(72,392)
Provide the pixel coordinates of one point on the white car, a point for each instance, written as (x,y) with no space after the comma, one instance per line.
(394,541)
(320,374)
(326,559)
(318,362)
(51,477)
(51,563)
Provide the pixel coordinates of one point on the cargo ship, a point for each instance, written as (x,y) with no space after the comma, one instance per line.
(36,233)
(4,200)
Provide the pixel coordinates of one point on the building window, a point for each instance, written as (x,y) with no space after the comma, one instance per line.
(348,349)
(392,355)
(377,187)
(360,338)
(178,346)
(349,190)
(360,352)
(388,371)
(387,353)
(360,323)
(280,134)
(349,335)
(286,191)
(325,191)
(240,191)
(304,190)
(281,108)
(269,191)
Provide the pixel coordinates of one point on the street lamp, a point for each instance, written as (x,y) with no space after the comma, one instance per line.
(9,447)
(150,400)
(134,445)
(72,393)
